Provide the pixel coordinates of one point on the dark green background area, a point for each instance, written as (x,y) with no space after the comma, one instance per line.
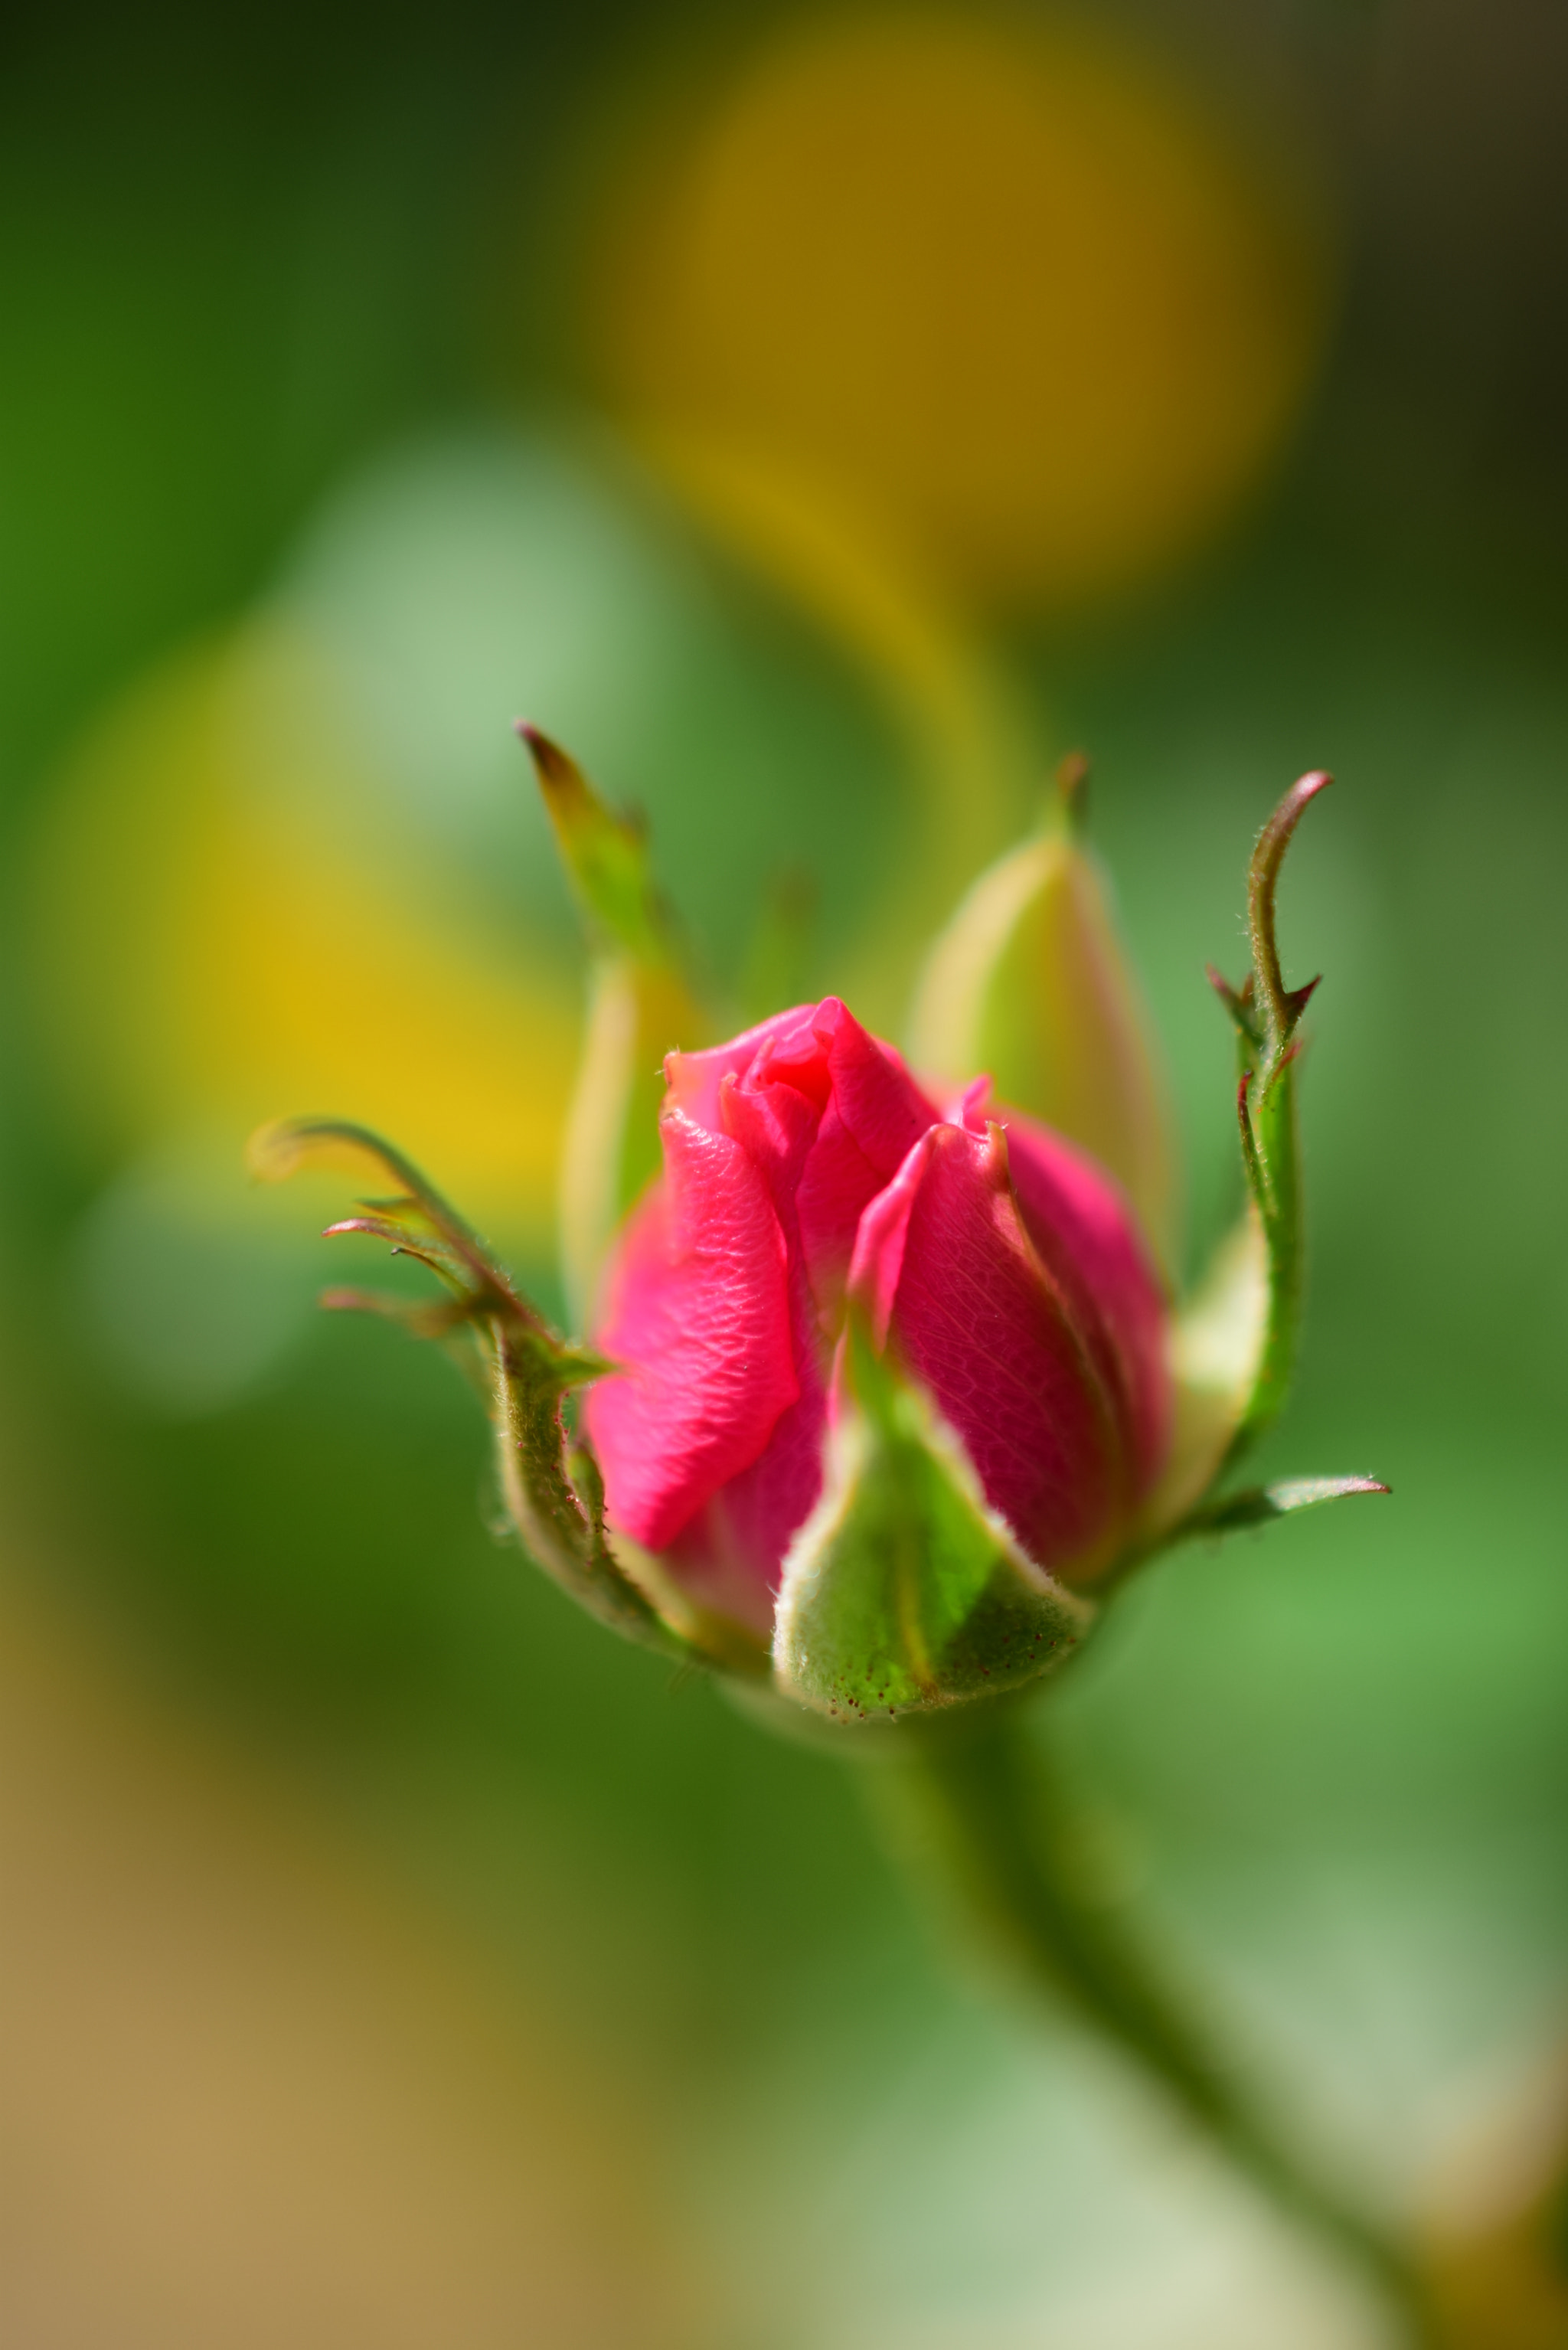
(238,251)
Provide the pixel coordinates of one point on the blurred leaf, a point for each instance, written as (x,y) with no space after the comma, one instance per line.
(775,973)
(221,925)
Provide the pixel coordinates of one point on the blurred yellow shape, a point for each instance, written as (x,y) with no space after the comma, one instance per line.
(1507,2291)
(213,949)
(251,2097)
(1003,289)
(1496,2240)
(972,749)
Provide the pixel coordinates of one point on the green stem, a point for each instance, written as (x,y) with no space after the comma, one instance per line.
(986,1811)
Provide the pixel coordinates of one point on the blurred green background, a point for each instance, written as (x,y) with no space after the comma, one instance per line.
(819,425)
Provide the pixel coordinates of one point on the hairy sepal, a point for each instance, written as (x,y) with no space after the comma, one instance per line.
(524,1370)
(903,1592)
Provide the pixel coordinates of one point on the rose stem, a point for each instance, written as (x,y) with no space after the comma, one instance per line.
(977,1800)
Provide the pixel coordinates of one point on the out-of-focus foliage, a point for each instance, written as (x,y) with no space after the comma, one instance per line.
(310,489)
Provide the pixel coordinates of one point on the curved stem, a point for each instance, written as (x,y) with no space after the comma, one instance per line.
(988,1814)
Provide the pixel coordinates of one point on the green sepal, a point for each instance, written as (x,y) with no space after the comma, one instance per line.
(1257,1505)
(1233,1344)
(1030,983)
(904,1592)
(559,1517)
(525,1369)
(1266,1016)
(606,857)
(641,1005)
(415,1220)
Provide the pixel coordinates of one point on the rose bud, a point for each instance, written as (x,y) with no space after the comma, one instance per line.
(999,1268)
(885,1392)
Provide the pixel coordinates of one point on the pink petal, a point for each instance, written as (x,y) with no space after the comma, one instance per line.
(1088,1238)
(775,1124)
(875,1116)
(865,1108)
(730,1554)
(880,1245)
(699,1309)
(877,1099)
(695,1078)
(702,1461)
(945,1266)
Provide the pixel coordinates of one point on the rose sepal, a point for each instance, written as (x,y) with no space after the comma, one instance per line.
(526,1370)
(1266,1016)
(1256,1505)
(1030,980)
(640,1003)
(904,1592)
(1233,1345)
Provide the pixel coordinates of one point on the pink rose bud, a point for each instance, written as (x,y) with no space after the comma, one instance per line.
(1001,1267)
(881,1379)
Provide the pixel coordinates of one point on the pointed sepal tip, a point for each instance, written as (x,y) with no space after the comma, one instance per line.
(1257,1505)
(1282,1007)
(604,852)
